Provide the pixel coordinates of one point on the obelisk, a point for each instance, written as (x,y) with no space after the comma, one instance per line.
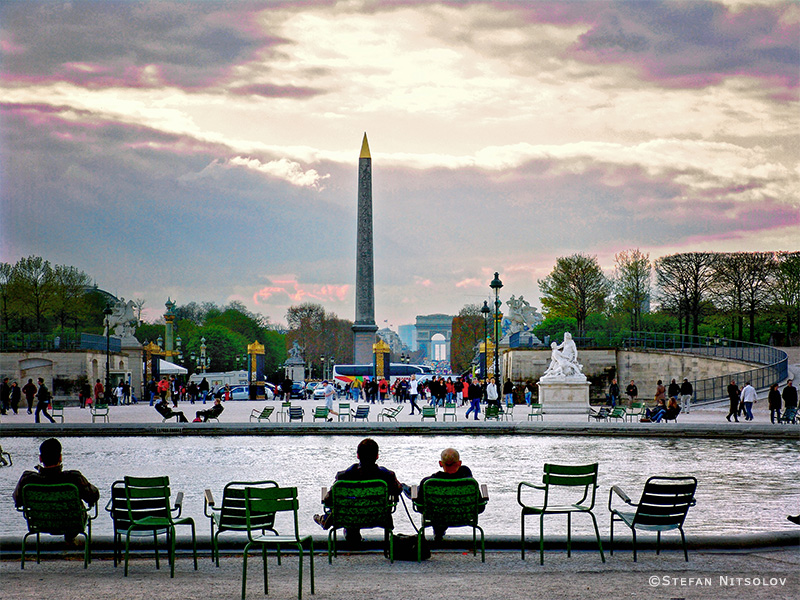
(364,327)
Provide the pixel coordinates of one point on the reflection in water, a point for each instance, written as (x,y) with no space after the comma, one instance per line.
(744,485)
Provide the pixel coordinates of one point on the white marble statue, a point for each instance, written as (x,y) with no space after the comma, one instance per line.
(122,319)
(521,315)
(564,365)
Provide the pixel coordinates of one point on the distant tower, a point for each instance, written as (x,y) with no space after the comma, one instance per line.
(364,327)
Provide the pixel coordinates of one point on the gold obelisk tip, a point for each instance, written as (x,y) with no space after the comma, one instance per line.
(364,148)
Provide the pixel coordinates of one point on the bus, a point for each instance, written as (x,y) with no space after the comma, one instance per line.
(345,374)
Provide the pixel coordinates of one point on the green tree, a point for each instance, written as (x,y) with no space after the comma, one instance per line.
(467,331)
(6,282)
(574,288)
(34,291)
(786,291)
(632,284)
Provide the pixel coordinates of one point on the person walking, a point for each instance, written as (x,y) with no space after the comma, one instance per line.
(413,391)
(15,396)
(474,394)
(749,397)
(5,396)
(613,393)
(29,389)
(789,395)
(733,397)
(42,400)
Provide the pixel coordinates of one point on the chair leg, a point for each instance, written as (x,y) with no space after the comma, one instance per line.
(194,546)
(264,561)
(38,543)
(522,535)
(22,558)
(569,535)
(155,544)
(611,537)
(658,543)
(597,534)
(172,537)
(683,539)
(633,531)
(300,572)
(311,561)
(127,550)
(331,545)
(541,539)
(244,570)
(483,545)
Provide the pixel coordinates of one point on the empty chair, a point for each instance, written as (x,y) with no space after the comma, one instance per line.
(231,515)
(296,413)
(57,509)
(599,415)
(450,503)
(283,413)
(263,414)
(100,411)
(390,413)
(535,412)
(492,411)
(344,411)
(662,507)
(58,410)
(579,483)
(260,501)
(320,412)
(362,413)
(618,413)
(117,508)
(636,412)
(148,500)
(428,412)
(449,411)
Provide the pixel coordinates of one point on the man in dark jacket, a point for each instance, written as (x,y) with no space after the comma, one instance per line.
(733,396)
(687,391)
(5,396)
(365,469)
(789,395)
(51,472)
(29,389)
(212,413)
(42,400)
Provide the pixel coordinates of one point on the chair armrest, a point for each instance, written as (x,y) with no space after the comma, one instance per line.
(178,503)
(528,485)
(324,493)
(208,502)
(414,493)
(90,516)
(484,492)
(615,489)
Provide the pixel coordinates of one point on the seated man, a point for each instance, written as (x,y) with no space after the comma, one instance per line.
(212,413)
(451,469)
(165,411)
(657,413)
(51,472)
(365,469)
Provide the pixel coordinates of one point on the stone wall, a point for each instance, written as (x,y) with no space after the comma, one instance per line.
(601,365)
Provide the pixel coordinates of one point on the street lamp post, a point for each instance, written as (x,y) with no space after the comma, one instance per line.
(203,361)
(107,312)
(496,284)
(485,311)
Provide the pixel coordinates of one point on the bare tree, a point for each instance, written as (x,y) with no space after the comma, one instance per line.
(468,328)
(786,290)
(684,282)
(139,303)
(69,291)
(33,280)
(632,284)
(728,289)
(575,287)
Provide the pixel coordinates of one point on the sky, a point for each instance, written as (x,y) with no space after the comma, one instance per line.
(208,151)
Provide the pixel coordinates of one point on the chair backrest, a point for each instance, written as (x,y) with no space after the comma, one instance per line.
(360,504)
(617,413)
(233,514)
(147,497)
(450,502)
(428,412)
(269,500)
(344,406)
(571,476)
(295,412)
(492,411)
(320,412)
(99,409)
(665,502)
(265,414)
(362,412)
(450,407)
(56,509)
(536,409)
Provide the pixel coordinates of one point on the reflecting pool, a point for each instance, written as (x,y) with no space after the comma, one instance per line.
(745,486)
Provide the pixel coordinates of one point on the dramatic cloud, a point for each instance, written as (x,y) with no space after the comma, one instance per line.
(208,150)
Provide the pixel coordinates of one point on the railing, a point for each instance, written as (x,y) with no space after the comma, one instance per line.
(48,342)
(775,362)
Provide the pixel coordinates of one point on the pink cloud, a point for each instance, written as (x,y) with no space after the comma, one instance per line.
(470,282)
(290,290)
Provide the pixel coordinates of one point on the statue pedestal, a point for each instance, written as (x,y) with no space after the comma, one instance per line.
(564,397)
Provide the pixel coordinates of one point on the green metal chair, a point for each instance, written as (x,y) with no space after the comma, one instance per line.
(344,412)
(231,514)
(117,508)
(58,410)
(100,411)
(508,410)
(321,412)
(428,412)
(56,509)
(360,505)
(491,411)
(148,502)
(283,413)
(535,412)
(618,413)
(449,411)
(262,415)
(450,503)
(662,507)
(362,413)
(574,481)
(296,413)
(636,412)
(390,413)
(260,501)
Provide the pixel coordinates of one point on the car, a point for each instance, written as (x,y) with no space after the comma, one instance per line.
(310,387)
(298,390)
(241,392)
(319,391)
